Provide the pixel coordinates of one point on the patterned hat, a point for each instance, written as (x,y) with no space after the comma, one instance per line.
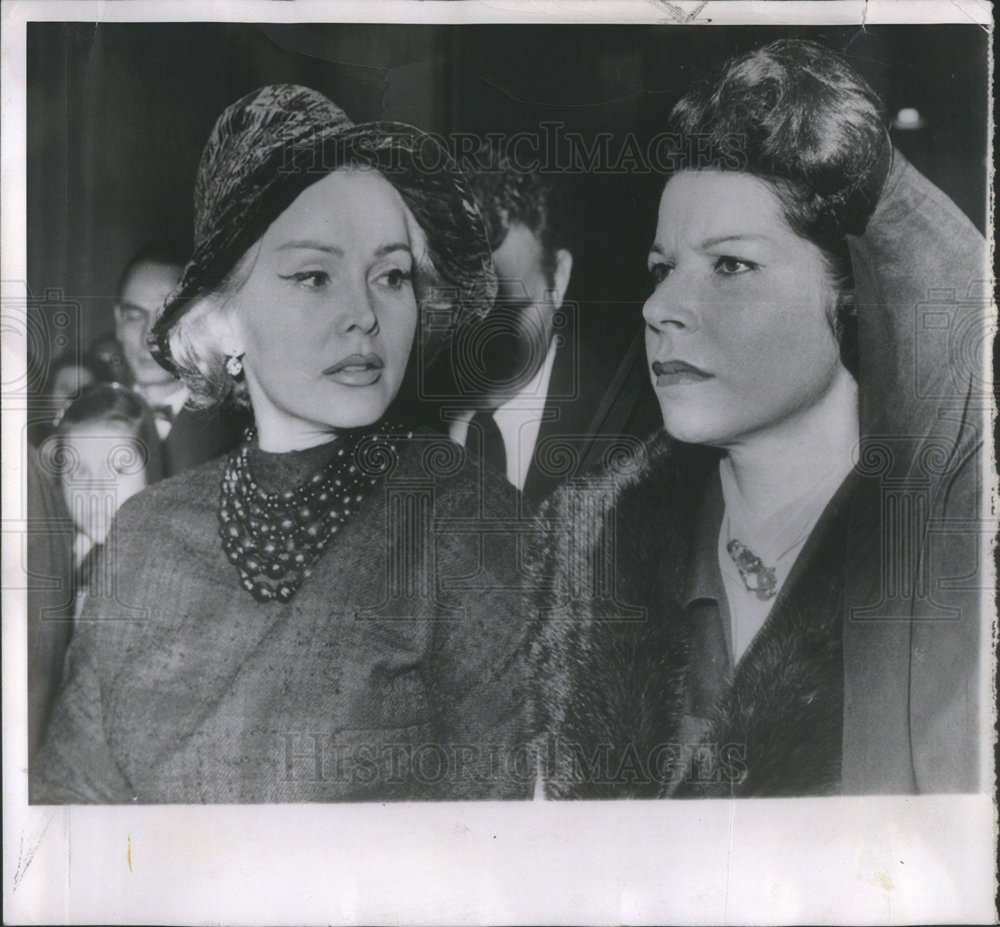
(272,144)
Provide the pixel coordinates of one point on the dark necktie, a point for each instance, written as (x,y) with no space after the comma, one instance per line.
(486,443)
(88,573)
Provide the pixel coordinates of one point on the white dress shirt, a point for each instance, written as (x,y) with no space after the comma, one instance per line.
(519,420)
(175,401)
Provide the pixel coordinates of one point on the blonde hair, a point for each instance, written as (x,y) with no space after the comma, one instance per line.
(197,345)
(196,341)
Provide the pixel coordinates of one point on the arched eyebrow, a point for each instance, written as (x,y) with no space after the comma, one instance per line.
(395,246)
(721,239)
(310,245)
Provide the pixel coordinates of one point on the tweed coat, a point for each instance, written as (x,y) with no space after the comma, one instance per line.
(394,673)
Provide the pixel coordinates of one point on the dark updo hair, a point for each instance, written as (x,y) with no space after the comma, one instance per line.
(114,403)
(801,118)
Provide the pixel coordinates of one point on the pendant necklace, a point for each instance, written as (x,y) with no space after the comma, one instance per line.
(757,578)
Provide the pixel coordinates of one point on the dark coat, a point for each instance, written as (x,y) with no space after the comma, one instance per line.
(595,410)
(614,671)
(924,310)
(197,436)
(395,671)
(50,593)
(615,655)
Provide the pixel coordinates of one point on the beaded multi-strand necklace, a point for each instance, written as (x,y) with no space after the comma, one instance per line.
(275,538)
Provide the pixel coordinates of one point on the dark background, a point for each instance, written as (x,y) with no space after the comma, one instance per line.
(118,114)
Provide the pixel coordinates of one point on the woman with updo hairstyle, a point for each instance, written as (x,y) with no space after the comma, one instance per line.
(789,600)
(322,615)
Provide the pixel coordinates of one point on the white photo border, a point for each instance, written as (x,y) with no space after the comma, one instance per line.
(846,860)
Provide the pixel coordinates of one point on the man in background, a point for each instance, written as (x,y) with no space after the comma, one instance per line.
(188,437)
(532,383)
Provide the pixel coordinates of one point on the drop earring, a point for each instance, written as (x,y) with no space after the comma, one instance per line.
(234,365)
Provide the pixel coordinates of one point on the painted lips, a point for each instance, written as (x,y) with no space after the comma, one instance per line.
(357,370)
(675,373)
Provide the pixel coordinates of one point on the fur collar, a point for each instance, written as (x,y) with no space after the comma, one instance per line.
(610,654)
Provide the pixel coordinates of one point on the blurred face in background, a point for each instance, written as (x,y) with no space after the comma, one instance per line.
(102,465)
(142,297)
(515,337)
(68,383)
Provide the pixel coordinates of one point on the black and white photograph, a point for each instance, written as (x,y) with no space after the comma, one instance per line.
(525,461)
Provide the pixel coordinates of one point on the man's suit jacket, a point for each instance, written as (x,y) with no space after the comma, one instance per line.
(197,436)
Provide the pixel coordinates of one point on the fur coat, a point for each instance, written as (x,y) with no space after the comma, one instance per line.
(615,656)
(614,671)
